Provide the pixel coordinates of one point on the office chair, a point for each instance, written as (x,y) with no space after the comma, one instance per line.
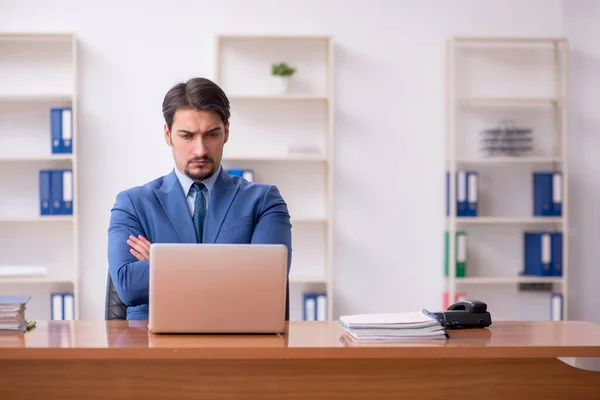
(114,308)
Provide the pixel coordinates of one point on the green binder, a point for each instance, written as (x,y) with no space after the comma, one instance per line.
(460,254)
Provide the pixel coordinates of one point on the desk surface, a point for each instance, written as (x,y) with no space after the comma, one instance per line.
(302,340)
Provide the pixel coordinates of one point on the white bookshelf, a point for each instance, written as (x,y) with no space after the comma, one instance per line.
(38,71)
(489,80)
(270,132)
(507,280)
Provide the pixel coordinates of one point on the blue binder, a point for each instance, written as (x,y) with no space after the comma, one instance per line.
(62,306)
(45,197)
(466,192)
(61,130)
(235,172)
(547,194)
(542,194)
(461,194)
(57,307)
(310,307)
(557,254)
(56,192)
(56,129)
(61,190)
(537,252)
(472,193)
(557,190)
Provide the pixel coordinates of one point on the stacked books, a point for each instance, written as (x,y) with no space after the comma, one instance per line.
(418,325)
(12,313)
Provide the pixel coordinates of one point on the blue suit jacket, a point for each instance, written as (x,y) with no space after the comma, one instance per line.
(238,212)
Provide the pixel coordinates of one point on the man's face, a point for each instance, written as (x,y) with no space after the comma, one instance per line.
(197,139)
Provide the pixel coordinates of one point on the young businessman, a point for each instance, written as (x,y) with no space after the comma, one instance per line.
(198,202)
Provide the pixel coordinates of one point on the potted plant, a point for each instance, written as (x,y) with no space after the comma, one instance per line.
(283,72)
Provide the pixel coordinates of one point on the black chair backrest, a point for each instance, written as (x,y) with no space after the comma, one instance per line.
(114,307)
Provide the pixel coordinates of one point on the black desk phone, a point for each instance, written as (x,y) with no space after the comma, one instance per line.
(465,314)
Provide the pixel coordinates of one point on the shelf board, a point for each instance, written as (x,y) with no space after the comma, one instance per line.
(492,39)
(296,97)
(37,219)
(274,37)
(34,97)
(508,160)
(508,100)
(309,220)
(34,279)
(308,279)
(508,280)
(508,220)
(285,157)
(45,157)
(36,36)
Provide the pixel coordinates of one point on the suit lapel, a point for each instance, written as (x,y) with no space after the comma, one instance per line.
(221,197)
(172,199)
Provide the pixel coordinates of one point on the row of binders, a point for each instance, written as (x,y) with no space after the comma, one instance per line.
(542,254)
(315,307)
(56,192)
(62,306)
(467,193)
(61,130)
(547,194)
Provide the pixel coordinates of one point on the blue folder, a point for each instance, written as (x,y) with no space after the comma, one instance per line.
(537,252)
(547,194)
(61,130)
(45,196)
(557,254)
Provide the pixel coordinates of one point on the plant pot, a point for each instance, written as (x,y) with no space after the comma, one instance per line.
(283,84)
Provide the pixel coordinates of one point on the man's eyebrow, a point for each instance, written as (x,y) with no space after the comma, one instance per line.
(218,128)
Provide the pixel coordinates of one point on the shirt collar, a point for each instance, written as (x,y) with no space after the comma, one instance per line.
(187,182)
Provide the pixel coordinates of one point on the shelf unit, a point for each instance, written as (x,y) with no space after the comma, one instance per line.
(269,134)
(38,71)
(487,80)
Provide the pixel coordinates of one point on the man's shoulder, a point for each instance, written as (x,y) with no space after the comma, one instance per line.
(144,190)
(252,189)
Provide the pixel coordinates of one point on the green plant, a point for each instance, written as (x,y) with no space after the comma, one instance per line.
(282,69)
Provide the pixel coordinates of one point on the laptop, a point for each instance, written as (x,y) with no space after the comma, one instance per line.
(217,288)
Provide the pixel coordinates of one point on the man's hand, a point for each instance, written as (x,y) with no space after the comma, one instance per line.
(140,247)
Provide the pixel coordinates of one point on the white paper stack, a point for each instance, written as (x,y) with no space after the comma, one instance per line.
(12,313)
(418,325)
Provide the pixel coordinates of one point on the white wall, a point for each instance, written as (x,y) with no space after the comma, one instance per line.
(582,29)
(389,117)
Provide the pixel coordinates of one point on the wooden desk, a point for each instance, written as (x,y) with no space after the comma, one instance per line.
(117,359)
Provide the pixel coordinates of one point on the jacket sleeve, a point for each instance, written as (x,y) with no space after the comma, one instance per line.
(273,225)
(129,276)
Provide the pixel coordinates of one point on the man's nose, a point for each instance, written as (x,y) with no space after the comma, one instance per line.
(198,146)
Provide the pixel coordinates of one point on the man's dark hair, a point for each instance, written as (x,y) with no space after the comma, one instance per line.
(196,94)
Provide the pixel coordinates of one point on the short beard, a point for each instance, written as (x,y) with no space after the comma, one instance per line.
(200,176)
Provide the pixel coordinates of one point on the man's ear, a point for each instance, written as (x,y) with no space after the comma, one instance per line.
(226,132)
(168,136)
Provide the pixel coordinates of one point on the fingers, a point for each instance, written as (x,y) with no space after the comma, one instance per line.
(143,239)
(141,247)
(137,255)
